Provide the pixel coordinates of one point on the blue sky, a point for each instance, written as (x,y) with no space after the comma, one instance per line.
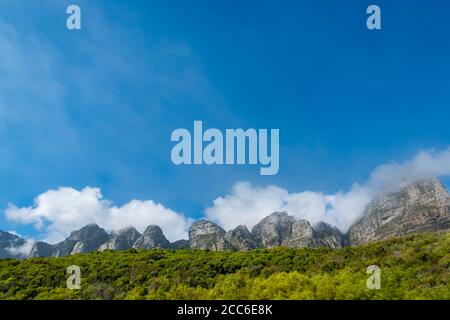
(96,107)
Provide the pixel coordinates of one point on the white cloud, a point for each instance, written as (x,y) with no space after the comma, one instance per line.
(248,204)
(22,251)
(425,164)
(58,212)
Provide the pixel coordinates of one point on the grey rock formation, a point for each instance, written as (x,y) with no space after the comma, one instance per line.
(419,206)
(87,239)
(301,235)
(273,230)
(281,229)
(152,238)
(240,239)
(121,240)
(207,235)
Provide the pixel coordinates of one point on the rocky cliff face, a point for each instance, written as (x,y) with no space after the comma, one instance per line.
(273,230)
(152,238)
(301,235)
(418,206)
(207,235)
(121,240)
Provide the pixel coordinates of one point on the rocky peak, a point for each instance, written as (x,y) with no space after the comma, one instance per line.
(207,235)
(273,230)
(152,238)
(86,233)
(86,239)
(121,240)
(423,205)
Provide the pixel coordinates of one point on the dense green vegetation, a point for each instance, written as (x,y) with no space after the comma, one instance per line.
(413,267)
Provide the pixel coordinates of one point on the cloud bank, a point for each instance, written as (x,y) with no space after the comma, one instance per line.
(247,204)
(58,212)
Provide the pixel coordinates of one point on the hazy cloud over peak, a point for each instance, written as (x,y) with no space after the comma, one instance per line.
(247,204)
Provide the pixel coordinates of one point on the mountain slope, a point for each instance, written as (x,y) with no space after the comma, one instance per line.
(417,207)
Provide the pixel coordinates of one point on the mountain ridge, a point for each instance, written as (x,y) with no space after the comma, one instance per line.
(419,206)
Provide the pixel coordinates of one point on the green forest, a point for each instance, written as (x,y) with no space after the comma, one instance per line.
(412,267)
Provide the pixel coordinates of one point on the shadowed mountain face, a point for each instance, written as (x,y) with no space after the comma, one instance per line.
(240,239)
(419,206)
(41,249)
(328,236)
(7,241)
